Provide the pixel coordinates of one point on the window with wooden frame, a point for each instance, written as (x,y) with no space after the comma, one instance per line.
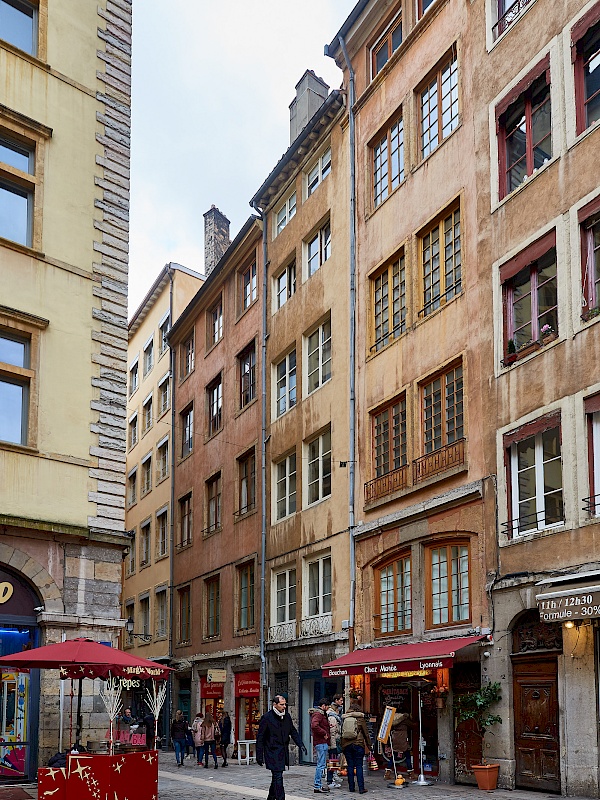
(247,482)
(214,318)
(285,384)
(213,504)
(318,476)
(447,584)
(248,286)
(534,467)
(245,575)
(389,437)
(318,249)
(388,161)
(145,616)
(164,394)
(318,172)
(394,598)
(20,22)
(530,296)
(592,417)
(423,5)
(213,607)
(160,600)
(162,459)
(285,284)
(388,299)
(146,475)
(285,212)
(185,613)
(589,226)
(387,44)
(318,356)
(285,481)
(438,105)
(187,356)
(441,261)
(442,409)
(247,374)
(186,520)
(187,430)
(162,532)
(214,399)
(585,51)
(524,126)
(145,539)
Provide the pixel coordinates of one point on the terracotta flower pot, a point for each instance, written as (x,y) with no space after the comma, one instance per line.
(486,775)
(440,702)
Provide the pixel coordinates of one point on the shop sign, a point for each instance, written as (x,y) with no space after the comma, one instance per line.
(210,691)
(130,683)
(216,675)
(401,669)
(16,598)
(569,605)
(247,684)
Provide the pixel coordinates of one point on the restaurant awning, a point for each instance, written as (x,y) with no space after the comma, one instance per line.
(419,656)
(569,597)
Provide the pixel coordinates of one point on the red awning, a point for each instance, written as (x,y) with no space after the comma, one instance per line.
(418,656)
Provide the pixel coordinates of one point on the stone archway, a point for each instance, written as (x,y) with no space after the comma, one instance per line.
(35,574)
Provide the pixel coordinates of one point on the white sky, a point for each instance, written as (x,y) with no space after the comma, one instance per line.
(212,84)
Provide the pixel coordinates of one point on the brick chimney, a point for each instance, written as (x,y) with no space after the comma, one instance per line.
(216,238)
(311,91)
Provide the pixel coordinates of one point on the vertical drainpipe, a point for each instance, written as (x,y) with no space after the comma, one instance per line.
(263,463)
(169,703)
(352,346)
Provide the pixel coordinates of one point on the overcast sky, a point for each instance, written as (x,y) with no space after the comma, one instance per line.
(212,84)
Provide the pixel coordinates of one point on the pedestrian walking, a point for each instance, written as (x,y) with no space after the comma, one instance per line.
(208,738)
(355,743)
(225,729)
(179,728)
(319,728)
(197,738)
(272,742)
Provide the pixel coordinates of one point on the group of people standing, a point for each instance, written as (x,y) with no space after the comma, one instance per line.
(204,736)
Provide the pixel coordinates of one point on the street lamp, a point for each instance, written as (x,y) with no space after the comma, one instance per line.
(129,626)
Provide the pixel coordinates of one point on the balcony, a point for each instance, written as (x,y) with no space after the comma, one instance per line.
(386,484)
(282,632)
(592,505)
(316,626)
(452,455)
(532,523)
(507,19)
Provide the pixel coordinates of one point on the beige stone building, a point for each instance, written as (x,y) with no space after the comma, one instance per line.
(64,180)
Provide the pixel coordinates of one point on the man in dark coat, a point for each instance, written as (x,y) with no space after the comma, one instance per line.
(272,741)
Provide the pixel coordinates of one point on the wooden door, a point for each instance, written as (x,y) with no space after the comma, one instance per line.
(536,724)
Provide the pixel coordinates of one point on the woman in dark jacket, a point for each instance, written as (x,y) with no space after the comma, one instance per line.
(225,728)
(179,729)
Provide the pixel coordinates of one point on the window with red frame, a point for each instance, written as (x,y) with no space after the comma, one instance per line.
(592,413)
(525,135)
(587,78)
(590,260)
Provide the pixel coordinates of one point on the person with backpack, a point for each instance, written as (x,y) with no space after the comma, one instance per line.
(334,717)
(355,743)
(319,728)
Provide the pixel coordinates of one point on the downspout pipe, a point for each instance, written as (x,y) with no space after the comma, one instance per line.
(352,341)
(263,462)
(169,703)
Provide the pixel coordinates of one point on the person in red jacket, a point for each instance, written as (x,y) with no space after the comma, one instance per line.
(319,728)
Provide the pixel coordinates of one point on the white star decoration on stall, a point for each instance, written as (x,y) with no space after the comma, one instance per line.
(52,772)
(149,758)
(84,772)
(118,766)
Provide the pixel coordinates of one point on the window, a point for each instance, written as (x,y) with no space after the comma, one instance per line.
(148,356)
(129,614)
(587,78)
(424,5)
(319,586)
(536,477)
(439,106)
(187,356)
(249,287)
(319,467)
(15,378)
(132,488)
(163,332)
(145,615)
(162,459)
(286,486)
(161,612)
(448,597)
(215,323)
(389,437)
(285,212)
(146,475)
(145,544)
(133,378)
(286,383)
(388,292)
(388,162)
(213,504)
(246,596)
(443,410)
(185,611)
(214,395)
(147,413)
(17,162)
(164,394)
(319,172)
(247,372)
(592,414)
(589,218)
(318,249)
(388,43)
(530,294)
(285,596)
(213,607)
(441,262)
(162,533)
(187,431)
(318,346)
(285,284)
(133,430)
(247,482)
(395,602)
(524,133)
(508,12)
(18,24)
(186,520)
(131,556)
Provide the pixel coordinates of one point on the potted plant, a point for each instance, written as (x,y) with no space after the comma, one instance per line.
(441,694)
(476,706)
(511,352)
(548,334)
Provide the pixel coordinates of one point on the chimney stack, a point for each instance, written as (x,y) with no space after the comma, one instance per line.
(216,238)
(311,92)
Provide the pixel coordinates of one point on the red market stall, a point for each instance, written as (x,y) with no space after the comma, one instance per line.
(247,697)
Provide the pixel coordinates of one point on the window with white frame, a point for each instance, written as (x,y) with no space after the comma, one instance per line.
(319,586)
(318,249)
(215,322)
(146,475)
(214,395)
(162,459)
(162,532)
(185,520)
(285,477)
(187,356)
(148,356)
(213,504)
(134,376)
(318,172)
(18,24)
(318,351)
(161,612)
(318,452)
(285,212)
(285,376)
(245,575)
(247,482)
(133,430)
(249,286)
(164,394)
(285,596)
(132,487)
(163,332)
(145,543)
(147,414)
(285,284)
(247,374)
